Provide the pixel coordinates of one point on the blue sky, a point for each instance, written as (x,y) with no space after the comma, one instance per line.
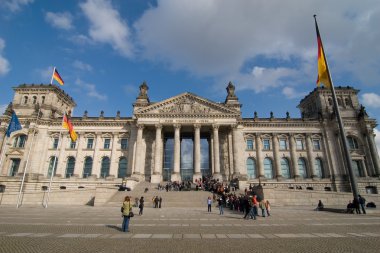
(105,49)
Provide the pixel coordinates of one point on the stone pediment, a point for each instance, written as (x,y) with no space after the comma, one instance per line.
(14,152)
(187,105)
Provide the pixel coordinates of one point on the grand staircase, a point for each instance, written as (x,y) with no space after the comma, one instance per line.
(190,198)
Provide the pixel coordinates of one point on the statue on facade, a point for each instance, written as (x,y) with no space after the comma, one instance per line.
(85,114)
(101,114)
(362,112)
(230,90)
(143,90)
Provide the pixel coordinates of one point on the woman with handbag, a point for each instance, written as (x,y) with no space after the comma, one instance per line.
(126,211)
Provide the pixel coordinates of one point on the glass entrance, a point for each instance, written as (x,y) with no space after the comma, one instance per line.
(168,158)
(187,168)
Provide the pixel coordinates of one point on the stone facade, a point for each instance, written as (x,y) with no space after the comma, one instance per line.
(283,153)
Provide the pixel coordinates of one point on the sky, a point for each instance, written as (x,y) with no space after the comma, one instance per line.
(104,49)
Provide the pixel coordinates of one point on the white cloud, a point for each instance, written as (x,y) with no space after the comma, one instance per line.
(371,100)
(4,64)
(90,90)
(2,108)
(82,66)
(220,37)
(377,139)
(291,93)
(14,5)
(60,20)
(106,25)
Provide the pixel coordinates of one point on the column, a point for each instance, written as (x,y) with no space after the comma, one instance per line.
(293,155)
(235,144)
(157,172)
(216,150)
(259,156)
(138,162)
(176,176)
(276,155)
(3,149)
(78,169)
(197,152)
(374,154)
(310,156)
(114,166)
(96,165)
(230,155)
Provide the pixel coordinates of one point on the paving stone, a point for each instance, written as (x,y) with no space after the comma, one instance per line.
(256,236)
(208,236)
(123,235)
(20,234)
(221,236)
(40,234)
(70,235)
(191,236)
(372,234)
(177,236)
(162,236)
(90,235)
(142,236)
(237,236)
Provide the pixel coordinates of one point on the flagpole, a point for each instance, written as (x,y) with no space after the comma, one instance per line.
(52,76)
(27,160)
(341,127)
(54,163)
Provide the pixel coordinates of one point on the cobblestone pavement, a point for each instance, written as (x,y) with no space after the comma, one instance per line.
(97,229)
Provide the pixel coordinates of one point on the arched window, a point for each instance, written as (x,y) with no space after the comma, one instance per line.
(339,101)
(285,171)
(14,167)
(43,100)
(25,100)
(34,100)
(352,142)
(70,167)
(302,168)
(87,170)
(122,171)
(347,102)
(19,141)
(268,168)
(318,168)
(105,169)
(251,168)
(330,101)
(357,168)
(53,162)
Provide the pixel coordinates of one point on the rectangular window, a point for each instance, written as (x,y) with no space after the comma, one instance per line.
(90,143)
(250,144)
(316,145)
(55,143)
(107,143)
(73,144)
(124,143)
(283,144)
(266,144)
(299,144)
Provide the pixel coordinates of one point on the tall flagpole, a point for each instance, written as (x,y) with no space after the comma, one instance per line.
(60,141)
(342,132)
(52,76)
(27,160)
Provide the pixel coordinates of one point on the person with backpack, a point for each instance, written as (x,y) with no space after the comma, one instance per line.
(362,203)
(141,206)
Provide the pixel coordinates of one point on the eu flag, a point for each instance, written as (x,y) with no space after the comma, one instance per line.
(14,125)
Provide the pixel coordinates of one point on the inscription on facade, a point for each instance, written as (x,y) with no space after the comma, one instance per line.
(190,121)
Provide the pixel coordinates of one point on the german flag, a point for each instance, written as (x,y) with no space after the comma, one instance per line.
(69,126)
(57,77)
(323,70)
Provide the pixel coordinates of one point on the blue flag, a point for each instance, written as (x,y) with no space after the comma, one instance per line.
(14,125)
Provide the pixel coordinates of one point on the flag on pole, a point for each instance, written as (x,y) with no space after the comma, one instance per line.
(323,70)
(69,126)
(57,77)
(14,125)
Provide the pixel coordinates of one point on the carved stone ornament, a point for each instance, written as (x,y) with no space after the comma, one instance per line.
(230,90)
(186,106)
(143,90)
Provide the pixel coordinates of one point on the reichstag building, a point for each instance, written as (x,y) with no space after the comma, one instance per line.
(186,137)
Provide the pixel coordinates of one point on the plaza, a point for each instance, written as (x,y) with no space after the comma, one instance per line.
(176,229)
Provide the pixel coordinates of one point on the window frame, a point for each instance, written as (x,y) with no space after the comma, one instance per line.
(266,144)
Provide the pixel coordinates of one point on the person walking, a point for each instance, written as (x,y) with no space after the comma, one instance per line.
(355,202)
(159,202)
(362,203)
(267,207)
(209,202)
(220,203)
(262,207)
(141,206)
(126,209)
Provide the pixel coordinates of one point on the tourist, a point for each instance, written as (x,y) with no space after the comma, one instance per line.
(141,206)
(355,203)
(320,206)
(362,203)
(155,200)
(126,209)
(267,207)
(209,202)
(253,211)
(159,202)
(220,203)
(350,207)
(246,206)
(262,207)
